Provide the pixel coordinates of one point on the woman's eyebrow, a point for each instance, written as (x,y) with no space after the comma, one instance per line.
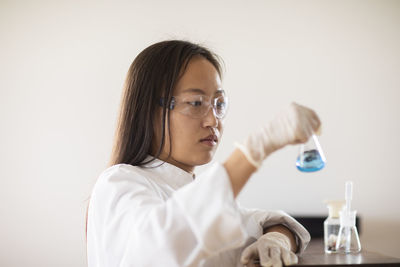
(200,91)
(194,90)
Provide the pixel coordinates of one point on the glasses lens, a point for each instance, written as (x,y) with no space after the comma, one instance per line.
(195,106)
(220,106)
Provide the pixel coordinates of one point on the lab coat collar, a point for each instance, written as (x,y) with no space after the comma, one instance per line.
(169,173)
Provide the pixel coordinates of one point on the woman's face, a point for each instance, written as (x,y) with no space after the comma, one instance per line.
(194,138)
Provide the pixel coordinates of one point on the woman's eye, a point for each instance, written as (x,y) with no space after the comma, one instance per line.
(221,105)
(195,103)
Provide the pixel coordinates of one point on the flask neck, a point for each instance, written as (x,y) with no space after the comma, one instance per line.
(348,218)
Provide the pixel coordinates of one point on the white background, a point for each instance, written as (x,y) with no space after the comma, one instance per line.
(62,67)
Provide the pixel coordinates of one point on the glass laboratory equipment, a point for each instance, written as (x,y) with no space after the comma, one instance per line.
(311,158)
(332,225)
(348,240)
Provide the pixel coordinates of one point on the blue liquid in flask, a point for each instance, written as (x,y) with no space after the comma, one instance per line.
(310,161)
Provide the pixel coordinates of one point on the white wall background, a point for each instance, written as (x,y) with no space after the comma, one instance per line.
(63,63)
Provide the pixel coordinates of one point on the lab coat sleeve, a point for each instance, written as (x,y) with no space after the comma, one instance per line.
(211,211)
(130,225)
(256,220)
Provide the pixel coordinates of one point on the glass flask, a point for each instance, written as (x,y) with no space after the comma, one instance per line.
(311,158)
(348,240)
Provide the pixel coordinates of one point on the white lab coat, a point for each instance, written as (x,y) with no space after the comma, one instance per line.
(161,216)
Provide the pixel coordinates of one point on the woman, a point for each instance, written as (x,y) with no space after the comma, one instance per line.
(149,208)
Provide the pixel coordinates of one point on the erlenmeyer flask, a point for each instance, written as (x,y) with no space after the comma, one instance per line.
(348,240)
(311,157)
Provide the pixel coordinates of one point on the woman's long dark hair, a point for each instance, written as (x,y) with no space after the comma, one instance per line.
(152,75)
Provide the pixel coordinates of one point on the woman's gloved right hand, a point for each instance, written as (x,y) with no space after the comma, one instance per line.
(293,125)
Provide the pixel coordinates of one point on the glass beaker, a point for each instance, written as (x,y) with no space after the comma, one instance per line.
(348,240)
(311,158)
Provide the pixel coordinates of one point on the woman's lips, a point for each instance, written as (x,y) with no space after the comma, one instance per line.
(210,140)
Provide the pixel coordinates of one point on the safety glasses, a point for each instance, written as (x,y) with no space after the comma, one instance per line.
(198,106)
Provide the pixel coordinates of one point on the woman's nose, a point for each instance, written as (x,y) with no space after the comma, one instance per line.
(211,119)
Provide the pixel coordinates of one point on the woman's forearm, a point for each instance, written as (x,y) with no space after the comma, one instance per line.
(283,230)
(239,170)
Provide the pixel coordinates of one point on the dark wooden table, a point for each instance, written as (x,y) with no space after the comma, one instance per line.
(314,255)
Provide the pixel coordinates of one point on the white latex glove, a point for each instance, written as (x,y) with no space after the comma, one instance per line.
(272,249)
(293,125)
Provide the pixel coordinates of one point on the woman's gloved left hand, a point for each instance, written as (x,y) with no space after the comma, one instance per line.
(272,249)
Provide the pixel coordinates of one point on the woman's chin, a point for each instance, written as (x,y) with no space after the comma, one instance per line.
(195,159)
(205,159)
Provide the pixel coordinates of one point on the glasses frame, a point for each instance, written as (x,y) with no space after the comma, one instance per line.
(174,101)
